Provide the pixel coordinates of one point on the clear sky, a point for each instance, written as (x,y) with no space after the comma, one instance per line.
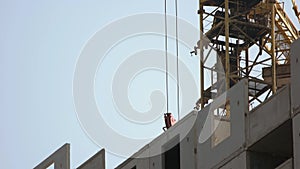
(40,44)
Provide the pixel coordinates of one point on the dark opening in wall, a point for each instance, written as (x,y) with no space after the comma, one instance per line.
(273,149)
(171,156)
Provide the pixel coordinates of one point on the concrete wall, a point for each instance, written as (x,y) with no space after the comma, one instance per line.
(295,76)
(239,162)
(95,162)
(60,158)
(210,156)
(295,99)
(269,115)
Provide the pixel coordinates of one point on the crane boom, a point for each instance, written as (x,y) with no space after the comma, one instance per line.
(295,7)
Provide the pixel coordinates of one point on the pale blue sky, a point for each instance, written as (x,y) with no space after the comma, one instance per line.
(40,43)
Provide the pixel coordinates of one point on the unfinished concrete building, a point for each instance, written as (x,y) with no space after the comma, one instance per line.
(248,116)
(248,113)
(266,137)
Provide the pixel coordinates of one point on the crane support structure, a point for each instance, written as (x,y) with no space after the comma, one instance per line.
(252,39)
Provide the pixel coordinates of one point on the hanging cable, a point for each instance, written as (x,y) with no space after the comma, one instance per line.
(177,59)
(166,55)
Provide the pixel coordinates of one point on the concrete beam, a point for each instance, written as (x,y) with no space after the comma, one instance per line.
(239,162)
(286,165)
(97,161)
(60,158)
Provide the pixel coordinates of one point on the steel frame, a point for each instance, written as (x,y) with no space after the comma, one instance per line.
(265,25)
